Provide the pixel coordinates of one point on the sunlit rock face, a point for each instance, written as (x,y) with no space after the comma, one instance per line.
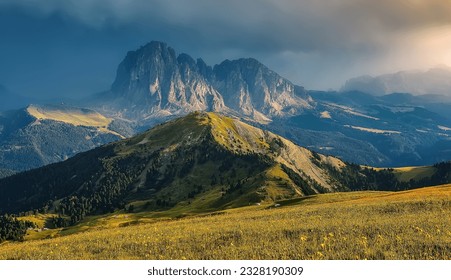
(154,82)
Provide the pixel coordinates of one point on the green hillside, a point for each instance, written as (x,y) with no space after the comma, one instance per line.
(352,225)
(200,163)
(204,157)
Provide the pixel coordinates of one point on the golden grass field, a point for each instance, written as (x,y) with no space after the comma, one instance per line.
(74,116)
(412,224)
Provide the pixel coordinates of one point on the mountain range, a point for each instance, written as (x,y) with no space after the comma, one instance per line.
(377,131)
(198,163)
(202,153)
(38,135)
(435,81)
(153,84)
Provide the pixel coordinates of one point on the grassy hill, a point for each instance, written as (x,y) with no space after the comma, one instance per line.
(196,165)
(201,162)
(353,225)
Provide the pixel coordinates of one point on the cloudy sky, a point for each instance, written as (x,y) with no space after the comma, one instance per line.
(72,48)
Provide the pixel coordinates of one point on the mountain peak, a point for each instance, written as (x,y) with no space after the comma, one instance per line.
(203,156)
(249,65)
(237,138)
(184,58)
(153,82)
(256,91)
(138,67)
(155,47)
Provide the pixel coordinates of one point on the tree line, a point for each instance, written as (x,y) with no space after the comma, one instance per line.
(13,229)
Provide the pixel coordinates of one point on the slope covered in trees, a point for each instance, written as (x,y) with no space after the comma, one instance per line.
(204,160)
(13,229)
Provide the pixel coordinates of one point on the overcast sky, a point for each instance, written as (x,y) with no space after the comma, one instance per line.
(72,47)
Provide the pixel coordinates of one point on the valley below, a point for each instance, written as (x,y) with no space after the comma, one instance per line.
(360,225)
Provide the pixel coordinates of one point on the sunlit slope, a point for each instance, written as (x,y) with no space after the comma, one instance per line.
(355,225)
(233,163)
(243,138)
(71,115)
(405,174)
(200,163)
(35,136)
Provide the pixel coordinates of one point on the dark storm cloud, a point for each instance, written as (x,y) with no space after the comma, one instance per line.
(290,24)
(316,43)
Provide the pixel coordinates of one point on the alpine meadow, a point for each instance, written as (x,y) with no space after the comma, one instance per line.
(241,130)
(211,187)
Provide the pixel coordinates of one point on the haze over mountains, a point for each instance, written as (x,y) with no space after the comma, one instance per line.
(435,81)
(154,84)
(10,100)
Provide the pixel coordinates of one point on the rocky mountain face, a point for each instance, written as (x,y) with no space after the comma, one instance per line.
(435,81)
(154,82)
(201,162)
(252,89)
(40,135)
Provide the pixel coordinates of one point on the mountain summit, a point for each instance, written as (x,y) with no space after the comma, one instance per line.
(202,162)
(205,158)
(251,88)
(154,82)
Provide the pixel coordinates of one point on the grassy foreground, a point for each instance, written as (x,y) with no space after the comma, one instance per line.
(359,225)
